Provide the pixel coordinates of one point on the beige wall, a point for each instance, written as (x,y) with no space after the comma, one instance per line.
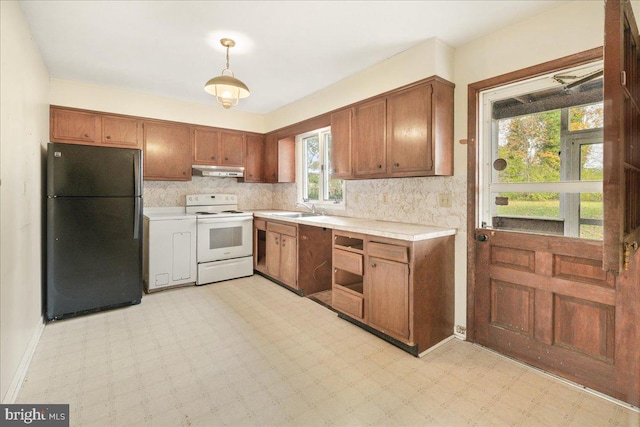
(431,57)
(24,105)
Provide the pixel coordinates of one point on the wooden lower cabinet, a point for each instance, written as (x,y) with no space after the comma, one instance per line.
(298,256)
(387,296)
(281,252)
(402,289)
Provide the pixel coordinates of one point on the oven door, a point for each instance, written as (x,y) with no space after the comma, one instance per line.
(224,238)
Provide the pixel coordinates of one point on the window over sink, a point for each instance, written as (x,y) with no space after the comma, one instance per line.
(315,185)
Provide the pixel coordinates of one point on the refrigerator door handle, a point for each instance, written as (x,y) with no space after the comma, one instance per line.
(136,218)
(136,174)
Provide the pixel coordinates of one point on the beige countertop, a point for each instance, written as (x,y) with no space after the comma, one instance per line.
(394,230)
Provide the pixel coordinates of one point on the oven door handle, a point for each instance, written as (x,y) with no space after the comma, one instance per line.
(221,220)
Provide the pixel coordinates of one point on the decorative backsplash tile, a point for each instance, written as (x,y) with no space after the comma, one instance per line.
(412,200)
(172,193)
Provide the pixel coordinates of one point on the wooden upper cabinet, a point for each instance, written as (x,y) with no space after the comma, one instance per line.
(341,134)
(167,152)
(271,158)
(213,146)
(73,126)
(406,132)
(369,151)
(409,131)
(279,159)
(206,146)
(254,160)
(93,128)
(232,148)
(121,132)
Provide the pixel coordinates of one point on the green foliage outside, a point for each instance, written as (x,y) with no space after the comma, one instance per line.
(531,146)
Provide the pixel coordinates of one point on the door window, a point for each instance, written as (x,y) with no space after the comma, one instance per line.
(542,157)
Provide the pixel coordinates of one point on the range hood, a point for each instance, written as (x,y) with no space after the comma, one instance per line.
(218,171)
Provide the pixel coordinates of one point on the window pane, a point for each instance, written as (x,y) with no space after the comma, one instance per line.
(312,163)
(545,205)
(531,212)
(591,167)
(586,117)
(528,148)
(591,216)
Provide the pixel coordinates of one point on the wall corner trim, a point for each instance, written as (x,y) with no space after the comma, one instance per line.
(21,372)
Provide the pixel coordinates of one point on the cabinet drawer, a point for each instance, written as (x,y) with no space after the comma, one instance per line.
(388,251)
(347,261)
(289,230)
(260,224)
(347,303)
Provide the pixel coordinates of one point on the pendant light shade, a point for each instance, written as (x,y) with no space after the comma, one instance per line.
(226,88)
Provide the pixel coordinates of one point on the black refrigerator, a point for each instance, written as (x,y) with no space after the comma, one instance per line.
(94,229)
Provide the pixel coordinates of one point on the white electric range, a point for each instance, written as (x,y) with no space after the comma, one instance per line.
(224,237)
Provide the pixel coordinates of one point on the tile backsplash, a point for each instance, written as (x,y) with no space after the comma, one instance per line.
(413,200)
(172,193)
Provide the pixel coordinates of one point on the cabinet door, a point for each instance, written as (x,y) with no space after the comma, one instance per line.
(409,131)
(74,126)
(254,160)
(341,132)
(167,152)
(271,158)
(121,132)
(231,148)
(288,260)
(387,296)
(286,159)
(206,147)
(370,138)
(273,254)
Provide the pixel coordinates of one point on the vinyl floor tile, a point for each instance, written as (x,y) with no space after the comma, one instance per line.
(247,353)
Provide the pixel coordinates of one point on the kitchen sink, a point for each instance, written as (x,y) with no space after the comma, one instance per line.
(297,214)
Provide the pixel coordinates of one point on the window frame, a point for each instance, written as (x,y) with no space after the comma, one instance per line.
(302,176)
(488,130)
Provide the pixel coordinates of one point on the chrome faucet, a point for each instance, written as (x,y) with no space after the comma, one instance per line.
(310,206)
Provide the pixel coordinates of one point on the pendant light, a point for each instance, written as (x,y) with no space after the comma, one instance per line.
(226,88)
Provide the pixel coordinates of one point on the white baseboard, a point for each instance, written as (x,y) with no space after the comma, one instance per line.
(21,372)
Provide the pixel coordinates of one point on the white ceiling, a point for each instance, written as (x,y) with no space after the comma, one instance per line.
(284,50)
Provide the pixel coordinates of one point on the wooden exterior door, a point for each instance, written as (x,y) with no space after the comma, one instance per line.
(566,305)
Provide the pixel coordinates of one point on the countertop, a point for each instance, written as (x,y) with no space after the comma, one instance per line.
(393,230)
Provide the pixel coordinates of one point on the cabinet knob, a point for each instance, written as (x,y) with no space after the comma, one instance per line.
(86,135)
(373,265)
(277,241)
(213,157)
(108,136)
(226,158)
(379,166)
(396,164)
(335,270)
